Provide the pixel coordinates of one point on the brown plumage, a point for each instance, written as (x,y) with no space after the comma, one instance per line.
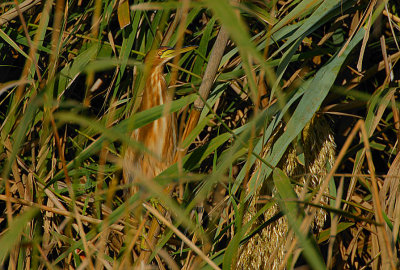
(160,136)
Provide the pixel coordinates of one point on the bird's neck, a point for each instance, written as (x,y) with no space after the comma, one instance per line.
(155,92)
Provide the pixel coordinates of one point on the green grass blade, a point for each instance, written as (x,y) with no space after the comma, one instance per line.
(314,95)
(289,205)
(10,238)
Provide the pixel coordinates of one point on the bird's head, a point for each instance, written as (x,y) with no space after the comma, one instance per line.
(164,54)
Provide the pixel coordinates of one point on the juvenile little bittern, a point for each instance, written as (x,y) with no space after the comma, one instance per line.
(160,136)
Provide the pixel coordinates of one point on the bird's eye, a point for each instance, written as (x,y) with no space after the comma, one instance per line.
(159,53)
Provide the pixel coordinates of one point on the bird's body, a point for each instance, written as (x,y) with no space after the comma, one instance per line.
(160,136)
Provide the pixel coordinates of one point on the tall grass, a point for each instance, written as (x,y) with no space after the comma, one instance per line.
(72,72)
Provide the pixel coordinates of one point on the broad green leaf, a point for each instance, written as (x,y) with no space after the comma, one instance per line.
(314,95)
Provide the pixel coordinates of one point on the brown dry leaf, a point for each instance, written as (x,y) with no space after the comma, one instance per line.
(124,18)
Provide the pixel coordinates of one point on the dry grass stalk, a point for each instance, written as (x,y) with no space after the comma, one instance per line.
(266,250)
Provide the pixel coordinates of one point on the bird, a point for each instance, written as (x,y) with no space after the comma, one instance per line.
(160,136)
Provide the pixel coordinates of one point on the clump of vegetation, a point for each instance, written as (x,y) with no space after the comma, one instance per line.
(291,140)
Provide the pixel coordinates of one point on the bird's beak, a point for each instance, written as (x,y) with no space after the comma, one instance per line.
(171,53)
